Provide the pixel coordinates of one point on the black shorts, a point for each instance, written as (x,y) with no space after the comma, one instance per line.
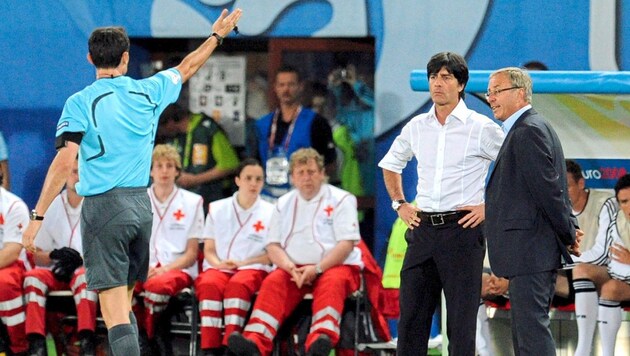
(116,230)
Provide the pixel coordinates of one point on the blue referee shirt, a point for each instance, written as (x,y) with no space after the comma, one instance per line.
(118,118)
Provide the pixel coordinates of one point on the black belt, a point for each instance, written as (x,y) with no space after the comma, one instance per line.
(441,218)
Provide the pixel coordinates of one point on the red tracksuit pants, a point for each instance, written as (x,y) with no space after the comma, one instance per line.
(38,282)
(158,290)
(12,305)
(225,297)
(279,296)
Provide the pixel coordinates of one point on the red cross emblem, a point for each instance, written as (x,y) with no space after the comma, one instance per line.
(20,227)
(1,219)
(258,226)
(329,209)
(178,214)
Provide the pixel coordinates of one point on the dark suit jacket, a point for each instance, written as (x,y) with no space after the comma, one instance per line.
(528,211)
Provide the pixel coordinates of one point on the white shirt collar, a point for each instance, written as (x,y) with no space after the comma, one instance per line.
(239,208)
(460,112)
(316,197)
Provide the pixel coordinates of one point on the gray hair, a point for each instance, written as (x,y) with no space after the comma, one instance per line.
(518,78)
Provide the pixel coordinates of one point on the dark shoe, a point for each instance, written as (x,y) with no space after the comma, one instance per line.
(219,351)
(36,345)
(241,346)
(145,345)
(320,347)
(161,347)
(87,343)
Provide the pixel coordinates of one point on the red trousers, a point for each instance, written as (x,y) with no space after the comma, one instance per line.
(158,290)
(12,305)
(39,281)
(225,297)
(279,296)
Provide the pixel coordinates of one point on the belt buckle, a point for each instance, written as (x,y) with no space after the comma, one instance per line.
(435,221)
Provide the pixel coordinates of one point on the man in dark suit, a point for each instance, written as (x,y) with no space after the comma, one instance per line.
(529,224)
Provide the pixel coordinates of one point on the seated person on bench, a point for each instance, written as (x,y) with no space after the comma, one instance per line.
(609,279)
(314,230)
(174,246)
(59,261)
(235,262)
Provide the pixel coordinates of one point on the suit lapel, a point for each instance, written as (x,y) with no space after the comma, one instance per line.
(518,122)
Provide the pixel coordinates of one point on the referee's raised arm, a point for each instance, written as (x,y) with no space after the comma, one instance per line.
(220,29)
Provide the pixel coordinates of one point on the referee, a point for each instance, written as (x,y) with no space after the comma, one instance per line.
(111,125)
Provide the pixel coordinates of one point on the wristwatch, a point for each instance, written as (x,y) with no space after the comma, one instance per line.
(34,216)
(318,270)
(396,204)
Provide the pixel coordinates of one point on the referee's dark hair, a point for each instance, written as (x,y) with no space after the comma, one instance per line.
(454,64)
(106,46)
(622,183)
(574,170)
(174,113)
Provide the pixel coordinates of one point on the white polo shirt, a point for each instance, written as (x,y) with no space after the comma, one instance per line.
(13,220)
(175,221)
(309,229)
(61,226)
(238,233)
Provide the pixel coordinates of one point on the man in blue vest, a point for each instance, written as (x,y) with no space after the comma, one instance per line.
(287,129)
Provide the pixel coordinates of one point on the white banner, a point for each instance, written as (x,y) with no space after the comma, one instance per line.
(218,90)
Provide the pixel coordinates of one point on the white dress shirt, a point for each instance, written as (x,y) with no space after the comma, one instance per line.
(453,158)
(309,229)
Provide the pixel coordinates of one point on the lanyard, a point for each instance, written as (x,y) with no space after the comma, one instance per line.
(241,225)
(72,227)
(274,128)
(161,215)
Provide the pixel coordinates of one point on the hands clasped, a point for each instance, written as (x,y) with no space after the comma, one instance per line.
(303,276)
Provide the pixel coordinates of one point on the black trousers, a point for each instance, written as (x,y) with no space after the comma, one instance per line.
(530,298)
(449,258)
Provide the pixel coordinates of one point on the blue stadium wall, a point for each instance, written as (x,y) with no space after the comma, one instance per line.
(43,48)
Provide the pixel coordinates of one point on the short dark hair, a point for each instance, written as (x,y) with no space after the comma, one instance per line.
(535,65)
(174,113)
(247,162)
(289,69)
(454,64)
(107,45)
(622,183)
(574,169)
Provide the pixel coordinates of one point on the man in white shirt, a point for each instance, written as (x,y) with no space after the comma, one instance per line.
(13,221)
(454,147)
(174,246)
(58,257)
(608,276)
(312,238)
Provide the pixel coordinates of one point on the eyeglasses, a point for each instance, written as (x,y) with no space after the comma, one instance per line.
(497,91)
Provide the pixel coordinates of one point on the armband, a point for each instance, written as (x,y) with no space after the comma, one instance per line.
(61,140)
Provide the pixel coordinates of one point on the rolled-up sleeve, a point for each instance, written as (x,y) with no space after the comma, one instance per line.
(491,137)
(399,153)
